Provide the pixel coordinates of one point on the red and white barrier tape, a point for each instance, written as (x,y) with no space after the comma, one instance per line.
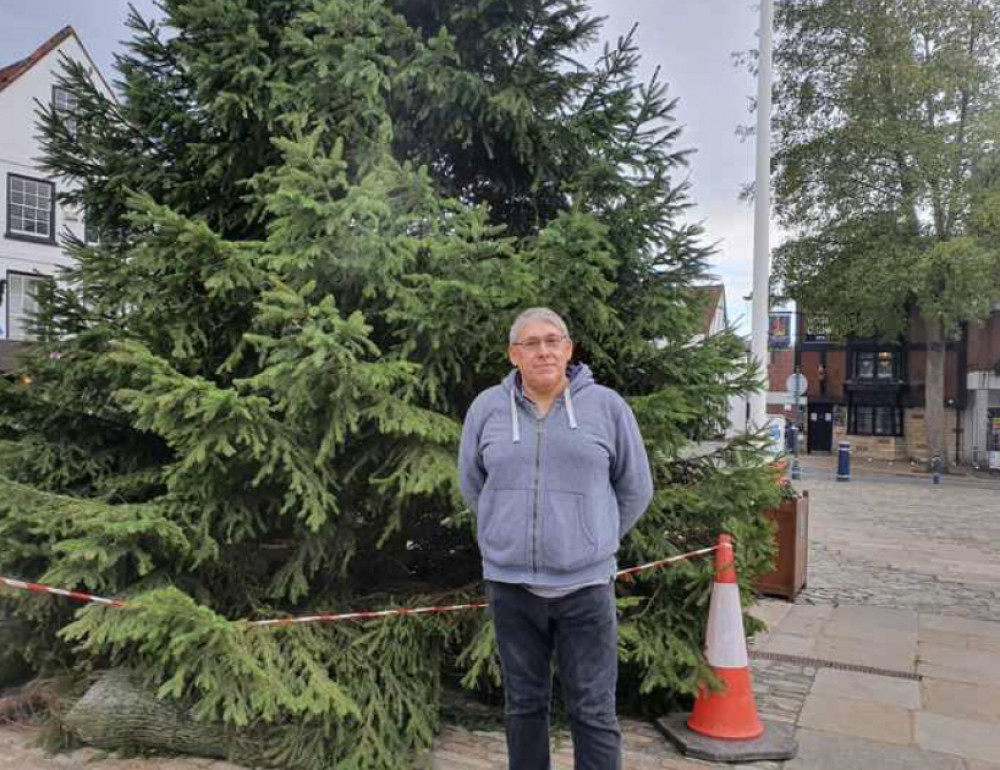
(40,589)
(663,562)
(331,618)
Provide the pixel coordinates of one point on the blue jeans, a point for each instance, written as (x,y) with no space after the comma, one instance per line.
(582,630)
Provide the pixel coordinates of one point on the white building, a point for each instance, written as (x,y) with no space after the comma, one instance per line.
(32,222)
(714,321)
(981,426)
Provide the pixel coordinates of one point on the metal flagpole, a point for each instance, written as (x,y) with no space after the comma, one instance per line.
(762,215)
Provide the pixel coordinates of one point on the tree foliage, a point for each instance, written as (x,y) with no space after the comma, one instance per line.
(317,219)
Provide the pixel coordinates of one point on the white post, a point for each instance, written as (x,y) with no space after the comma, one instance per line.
(762,215)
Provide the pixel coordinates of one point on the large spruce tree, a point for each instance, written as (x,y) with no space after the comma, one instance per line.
(317,219)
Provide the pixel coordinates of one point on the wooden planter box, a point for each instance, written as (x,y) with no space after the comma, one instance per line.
(792,541)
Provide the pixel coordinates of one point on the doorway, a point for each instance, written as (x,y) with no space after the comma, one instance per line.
(820,428)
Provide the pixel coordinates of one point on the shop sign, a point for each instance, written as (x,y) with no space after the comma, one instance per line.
(779,331)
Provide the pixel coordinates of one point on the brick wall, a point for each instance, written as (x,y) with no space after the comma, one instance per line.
(917,372)
(836,373)
(984,344)
(781,364)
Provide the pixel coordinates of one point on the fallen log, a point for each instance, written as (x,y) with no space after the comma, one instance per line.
(118,713)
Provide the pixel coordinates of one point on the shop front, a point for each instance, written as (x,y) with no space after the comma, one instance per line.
(982,421)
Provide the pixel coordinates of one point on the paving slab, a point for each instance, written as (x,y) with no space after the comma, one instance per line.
(674,763)
(954,657)
(861,616)
(958,665)
(945,638)
(984,644)
(954,674)
(962,737)
(805,619)
(862,719)
(787,644)
(870,632)
(865,653)
(957,625)
(822,751)
(771,611)
(960,641)
(851,685)
(961,699)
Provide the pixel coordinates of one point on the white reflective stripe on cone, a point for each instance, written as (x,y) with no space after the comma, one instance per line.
(725,644)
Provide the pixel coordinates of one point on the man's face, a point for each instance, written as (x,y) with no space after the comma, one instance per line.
(541,353)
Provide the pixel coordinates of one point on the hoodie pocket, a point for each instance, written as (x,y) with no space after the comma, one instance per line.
(568,540)
(503,527)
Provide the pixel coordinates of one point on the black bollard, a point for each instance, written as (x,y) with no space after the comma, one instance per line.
(844,461)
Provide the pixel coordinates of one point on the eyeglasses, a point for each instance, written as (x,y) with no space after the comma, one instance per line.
(534,344)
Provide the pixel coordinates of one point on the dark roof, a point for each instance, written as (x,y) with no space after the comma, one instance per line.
(12,72)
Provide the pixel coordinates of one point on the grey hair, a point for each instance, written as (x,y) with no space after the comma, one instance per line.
(537,314)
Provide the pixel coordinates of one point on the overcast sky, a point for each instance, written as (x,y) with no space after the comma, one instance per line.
(692,41)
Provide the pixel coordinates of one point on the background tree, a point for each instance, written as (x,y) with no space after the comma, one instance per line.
(318,219)
(887,118)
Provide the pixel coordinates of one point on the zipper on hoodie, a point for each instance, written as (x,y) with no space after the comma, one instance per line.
(539,430)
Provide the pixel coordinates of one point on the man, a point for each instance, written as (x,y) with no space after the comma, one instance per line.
(555,470)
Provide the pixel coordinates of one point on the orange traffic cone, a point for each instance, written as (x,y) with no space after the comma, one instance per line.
(729,714)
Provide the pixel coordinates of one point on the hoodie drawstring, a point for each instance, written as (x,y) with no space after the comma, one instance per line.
(515,429)
(569,407)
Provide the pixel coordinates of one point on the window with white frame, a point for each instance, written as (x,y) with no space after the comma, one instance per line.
(31,211)
(22,303)
(65,103)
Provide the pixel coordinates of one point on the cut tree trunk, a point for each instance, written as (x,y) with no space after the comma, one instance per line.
(118,712)
(934,391)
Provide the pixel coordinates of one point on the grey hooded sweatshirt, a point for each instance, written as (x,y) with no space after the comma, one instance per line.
(554,495)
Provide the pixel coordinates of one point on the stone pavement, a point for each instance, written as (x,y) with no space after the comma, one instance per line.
(904,578)
(904,543)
